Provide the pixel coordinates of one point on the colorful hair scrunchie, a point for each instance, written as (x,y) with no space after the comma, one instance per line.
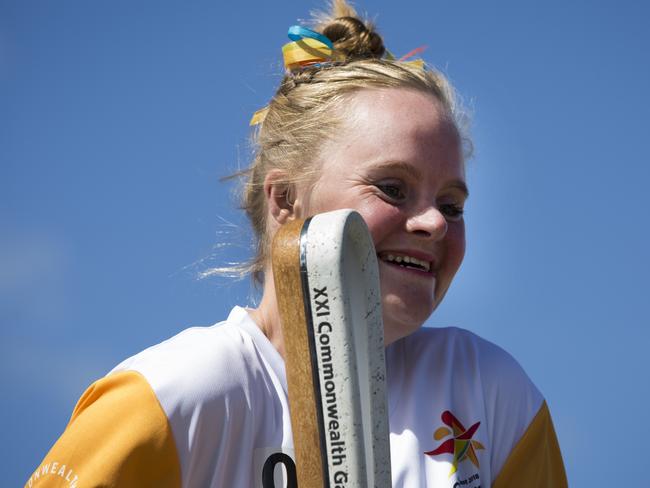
(307,48)
(311,48)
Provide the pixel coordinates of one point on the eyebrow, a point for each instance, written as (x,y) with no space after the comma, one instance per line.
(415,173)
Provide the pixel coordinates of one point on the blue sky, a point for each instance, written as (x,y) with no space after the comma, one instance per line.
(117,120)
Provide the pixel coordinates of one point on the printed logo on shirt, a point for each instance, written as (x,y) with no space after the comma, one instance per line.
(460,445)
(53,468)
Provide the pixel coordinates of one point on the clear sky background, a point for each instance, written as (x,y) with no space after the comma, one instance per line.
(118,118)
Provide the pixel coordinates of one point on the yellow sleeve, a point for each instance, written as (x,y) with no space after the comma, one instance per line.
(118,435)
(536,461)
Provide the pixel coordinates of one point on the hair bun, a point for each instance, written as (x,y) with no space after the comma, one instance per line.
(353,38)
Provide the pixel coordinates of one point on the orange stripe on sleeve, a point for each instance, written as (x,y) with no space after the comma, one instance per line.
(536,461)
(118,436)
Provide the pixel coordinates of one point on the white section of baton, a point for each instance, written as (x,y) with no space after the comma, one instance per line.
(340,257)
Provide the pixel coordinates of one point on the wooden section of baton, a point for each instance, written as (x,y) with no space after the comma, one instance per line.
(302,400)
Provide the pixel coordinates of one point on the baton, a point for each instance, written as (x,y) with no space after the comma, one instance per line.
(327,286)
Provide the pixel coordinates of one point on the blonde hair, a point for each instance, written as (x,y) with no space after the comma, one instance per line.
(307,110)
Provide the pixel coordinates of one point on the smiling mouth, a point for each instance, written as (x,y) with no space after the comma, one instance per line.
(405,261)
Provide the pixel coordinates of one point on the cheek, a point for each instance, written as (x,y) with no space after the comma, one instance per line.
(455,245)
(382,219)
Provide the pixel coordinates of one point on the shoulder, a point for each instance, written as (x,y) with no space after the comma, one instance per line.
(456,370)
(466,352)
(183,406)
(198,363)
(219,387)
(213,365)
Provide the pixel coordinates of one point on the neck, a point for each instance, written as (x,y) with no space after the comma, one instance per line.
(267,316)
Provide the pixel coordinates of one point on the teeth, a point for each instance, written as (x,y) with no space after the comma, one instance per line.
(425,265)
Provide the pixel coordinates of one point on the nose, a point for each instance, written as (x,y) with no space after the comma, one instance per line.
(428,223)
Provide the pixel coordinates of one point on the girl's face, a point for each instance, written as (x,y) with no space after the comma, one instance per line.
(398,162)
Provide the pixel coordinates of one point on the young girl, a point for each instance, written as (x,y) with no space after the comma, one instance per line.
(349,127)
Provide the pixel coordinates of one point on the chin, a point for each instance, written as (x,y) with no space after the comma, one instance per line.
(402,319)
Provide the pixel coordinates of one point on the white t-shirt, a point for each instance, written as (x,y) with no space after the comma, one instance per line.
(214,401)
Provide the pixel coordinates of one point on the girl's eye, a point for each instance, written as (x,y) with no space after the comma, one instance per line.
(452,211)
(392,190)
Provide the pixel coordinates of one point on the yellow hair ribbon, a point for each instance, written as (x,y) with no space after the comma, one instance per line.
(304,52)
(259,116)
(416,63)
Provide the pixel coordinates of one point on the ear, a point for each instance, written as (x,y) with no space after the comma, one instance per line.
(280,196)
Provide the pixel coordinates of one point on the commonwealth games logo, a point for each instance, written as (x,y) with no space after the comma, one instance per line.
(461,445)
